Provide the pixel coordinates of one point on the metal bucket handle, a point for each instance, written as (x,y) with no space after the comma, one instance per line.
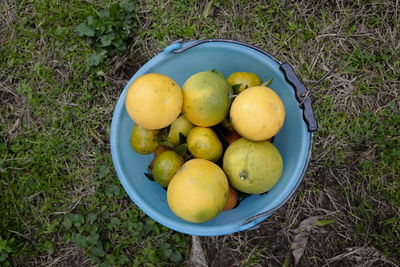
(303,96)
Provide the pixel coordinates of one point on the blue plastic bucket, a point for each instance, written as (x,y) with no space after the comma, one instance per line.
(181,60)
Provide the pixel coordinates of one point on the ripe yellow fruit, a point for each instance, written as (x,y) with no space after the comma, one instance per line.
(257,113)
(206,98)
(144,141)
(154,101)
(198,191)
(203,143)
(244,79)
(252,167)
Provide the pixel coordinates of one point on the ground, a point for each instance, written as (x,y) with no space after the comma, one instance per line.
(61,203)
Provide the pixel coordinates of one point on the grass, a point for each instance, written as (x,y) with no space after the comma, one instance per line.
(61,203)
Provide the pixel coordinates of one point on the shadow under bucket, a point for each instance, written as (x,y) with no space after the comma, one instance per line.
(181,60)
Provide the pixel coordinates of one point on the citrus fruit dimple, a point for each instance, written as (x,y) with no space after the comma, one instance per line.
(204,143)
(257,113)
(252,167)
(198,191)
(144,141)
(165,166)
(244,79)
(154,101)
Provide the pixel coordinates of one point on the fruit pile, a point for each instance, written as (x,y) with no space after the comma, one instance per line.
(211,138)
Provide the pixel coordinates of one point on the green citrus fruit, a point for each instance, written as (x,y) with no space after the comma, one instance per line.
(252,167)
(206,98)
(203,143)
(165,166)
(144,141)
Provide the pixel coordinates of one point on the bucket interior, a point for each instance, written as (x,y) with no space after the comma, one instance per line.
(293,141)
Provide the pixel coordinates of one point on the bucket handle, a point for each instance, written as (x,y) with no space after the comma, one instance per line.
(303,95)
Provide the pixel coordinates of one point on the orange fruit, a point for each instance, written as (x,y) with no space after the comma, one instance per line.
(231,136)
(154,101)
(232,199)
(257,113)
(198,191)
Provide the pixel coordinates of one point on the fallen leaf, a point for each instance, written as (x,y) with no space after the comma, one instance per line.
(15,126)
(364,256)
(324,222)
(307,224)
(299,244)
(207,9)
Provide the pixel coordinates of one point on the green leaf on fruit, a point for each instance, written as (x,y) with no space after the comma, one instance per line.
(181,149)
(149,174)
(182,138)
(167,144)
(267,83)
(163,134)
(236,87)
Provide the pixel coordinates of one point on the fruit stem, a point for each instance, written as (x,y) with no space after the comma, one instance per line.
(243,175)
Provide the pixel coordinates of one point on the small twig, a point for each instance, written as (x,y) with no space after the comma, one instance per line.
(326,75)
